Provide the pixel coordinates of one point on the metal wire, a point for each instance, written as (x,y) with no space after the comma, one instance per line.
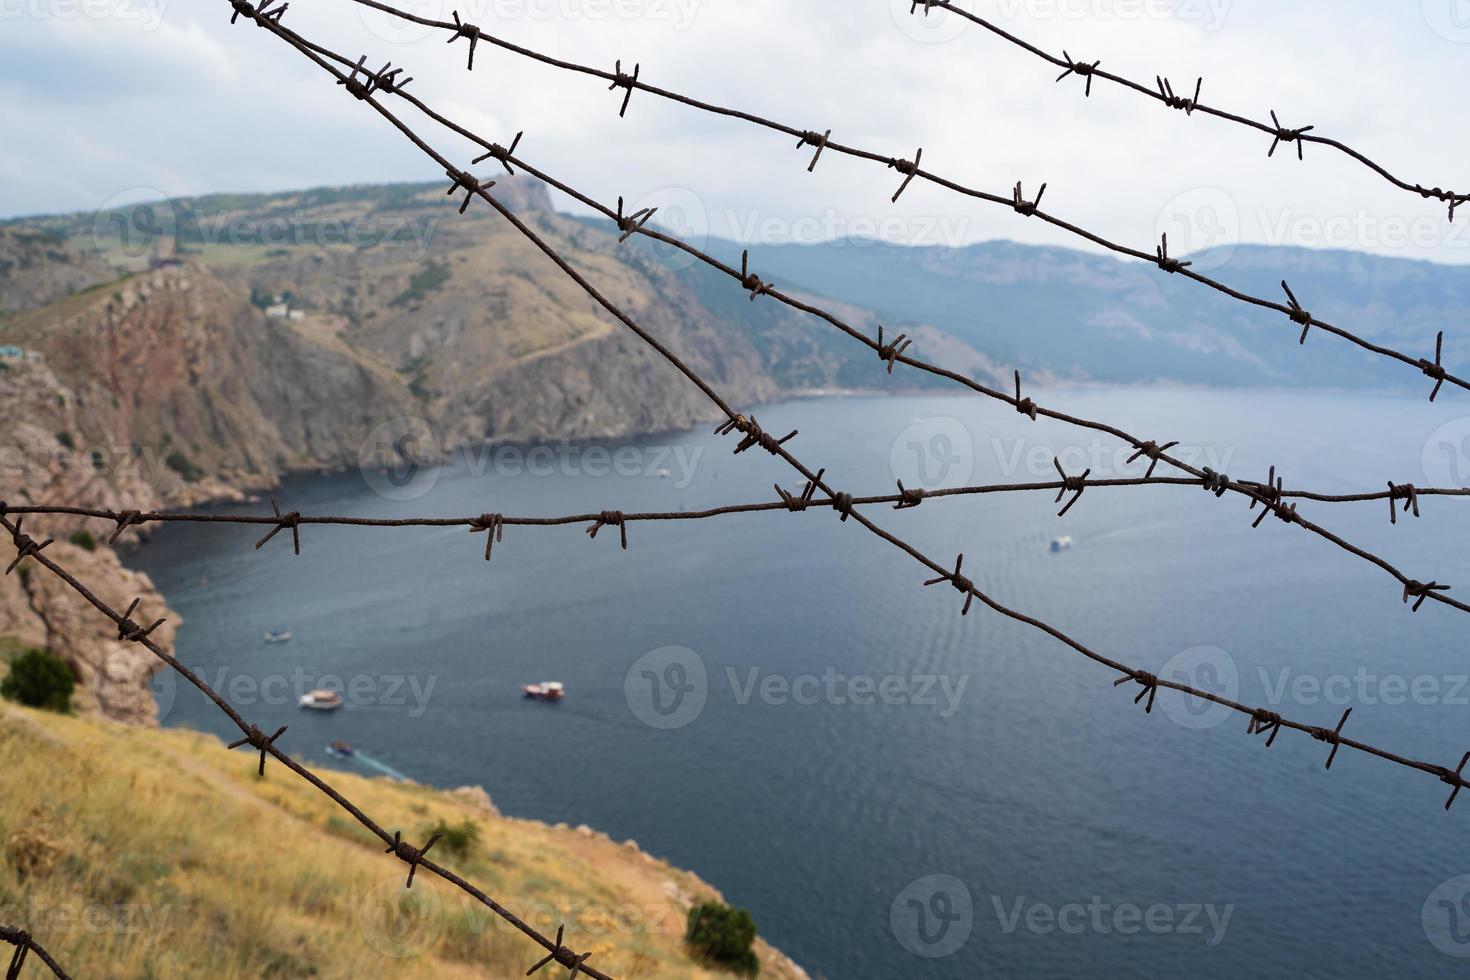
(1163,92)
(1015,199)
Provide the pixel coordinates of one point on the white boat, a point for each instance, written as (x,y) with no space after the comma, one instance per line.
(545,691)
(278,636)
(321,700)
(1062,543)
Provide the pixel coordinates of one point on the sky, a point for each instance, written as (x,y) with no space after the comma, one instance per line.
(112,101)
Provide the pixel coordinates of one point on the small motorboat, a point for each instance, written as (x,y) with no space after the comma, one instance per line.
(340,749)
(545,691)
(1062,543)
(278,636)
(321,700)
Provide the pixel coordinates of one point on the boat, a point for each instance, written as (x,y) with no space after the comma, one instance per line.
(545,691)
(277,636)
(1062,543)
(321,700)
(340,749)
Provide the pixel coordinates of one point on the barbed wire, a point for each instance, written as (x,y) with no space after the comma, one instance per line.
(910,169)
(891,353)
(25,943)
(905,498)
(1163,92)
(754,436)
(414,857)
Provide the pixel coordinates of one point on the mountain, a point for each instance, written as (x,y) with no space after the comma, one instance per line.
(1074,315)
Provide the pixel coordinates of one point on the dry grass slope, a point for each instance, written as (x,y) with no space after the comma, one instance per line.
(147,853)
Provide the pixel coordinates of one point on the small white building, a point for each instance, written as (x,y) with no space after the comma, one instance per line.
(278,311)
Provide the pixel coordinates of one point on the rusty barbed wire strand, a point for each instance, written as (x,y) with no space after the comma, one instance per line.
(266,744)
(1434,370)
(1163,92)
(905,498)
(25,943)
(635,224)
(754,435)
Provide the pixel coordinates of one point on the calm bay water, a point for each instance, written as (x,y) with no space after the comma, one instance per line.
(876,777)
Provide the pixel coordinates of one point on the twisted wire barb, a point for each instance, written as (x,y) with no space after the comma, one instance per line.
(739,423)
(757,287)
(1163,92)
(1012,200)
(24,944)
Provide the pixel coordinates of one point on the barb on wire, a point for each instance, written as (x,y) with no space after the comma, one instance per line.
(282,522)
(630,224)
(1406,493)
(908,168)
(1166,92)
(1297,314)
(1263,722)
(493,526)
(610,518)
(1333,735)
(1435,369)
(1148,687)
(1419,591)
(819,140)
(24,944)
(889,353)
(960,583)
(408,854)
(464,29)
(1070,484)
(628,82)
(562,956)
(750,280)
(465,181)
(1154,452)
(1284,135)
(501,153)
(1013,200)
(25,546)
(258,740)
(1166,263)
(1079,68)
(1025,406)
(1271,502)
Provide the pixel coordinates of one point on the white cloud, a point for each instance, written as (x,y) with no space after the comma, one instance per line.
(198,105)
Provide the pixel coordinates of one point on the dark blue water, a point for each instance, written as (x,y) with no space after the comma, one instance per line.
(990,779)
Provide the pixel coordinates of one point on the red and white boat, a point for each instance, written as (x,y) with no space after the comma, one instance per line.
(545,691)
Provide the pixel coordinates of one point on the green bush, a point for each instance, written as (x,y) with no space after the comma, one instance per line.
(459,839)
(40,680)
(83,539)
(183,466)
(65,438)
(723,937)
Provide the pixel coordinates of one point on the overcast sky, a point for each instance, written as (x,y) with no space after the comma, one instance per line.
(114,100)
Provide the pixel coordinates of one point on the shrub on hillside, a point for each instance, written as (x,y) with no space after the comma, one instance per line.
(457,839)
(723,937)
(39,680)
(83,539)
